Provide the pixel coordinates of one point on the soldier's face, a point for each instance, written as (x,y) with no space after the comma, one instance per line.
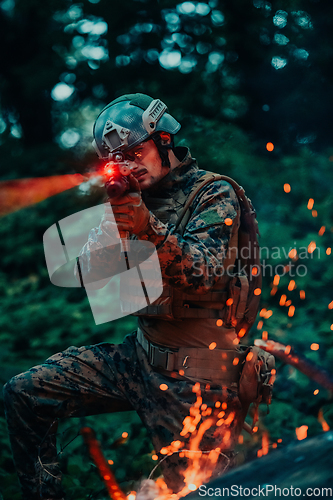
(146,164)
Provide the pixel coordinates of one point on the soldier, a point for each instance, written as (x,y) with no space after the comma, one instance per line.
(184,342)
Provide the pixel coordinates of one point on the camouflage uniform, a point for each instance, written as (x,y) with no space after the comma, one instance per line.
(106,378)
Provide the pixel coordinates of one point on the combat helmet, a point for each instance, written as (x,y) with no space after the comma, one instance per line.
(131,119)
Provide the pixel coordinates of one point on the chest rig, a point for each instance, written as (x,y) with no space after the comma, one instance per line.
(173,303)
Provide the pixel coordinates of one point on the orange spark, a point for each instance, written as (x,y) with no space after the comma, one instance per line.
(260,324)
(241,439)
(291,311)
(235,361)
(292,285)
(265,443)
(274,290)
(154,457)
(235,341)
(255,428)
(287,188)
(314,213)
(124,435)
(283,300)
(293,253)
(217,404)
(270,146)
(330,305)
(287,304)
(254,271)
(249,356)
(212,346)
(264,335)
(229,302)
(268,314)
(219,322)
(274,445)
(302,294)
(242,332)
(302,432)
(257,291)
(181,372)
(310,203)
(314,347)
(323,422)
(287,349)
(321,230)
(312,246)
(262,312)
(315,392)
(279,440)
(228,221)
(276,280)
(163,387)
(328,251)
(224,406)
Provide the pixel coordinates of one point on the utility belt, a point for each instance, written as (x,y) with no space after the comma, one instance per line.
(201,364)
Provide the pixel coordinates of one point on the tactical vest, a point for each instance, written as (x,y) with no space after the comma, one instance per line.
(173,303)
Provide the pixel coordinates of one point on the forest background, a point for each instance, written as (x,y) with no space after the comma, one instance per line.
(251,84)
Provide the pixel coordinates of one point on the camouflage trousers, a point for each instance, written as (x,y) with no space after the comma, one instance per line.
(106,378)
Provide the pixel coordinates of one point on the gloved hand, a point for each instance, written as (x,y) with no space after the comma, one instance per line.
(130,212)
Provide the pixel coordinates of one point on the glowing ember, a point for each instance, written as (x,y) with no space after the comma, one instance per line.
(315,392)
(291,311)
(242,332)
(249,356)
(276,279)
(314,347)
(323,422)
(279,440)
(330,305)
(260,324)
(321,230)
(283,300)
(265,443)
(124,435)
(287,188)
(254,271)
(302,294)
(314,213)
(270,146)
(302,432)
(110,462)
(287,349)
(163,387)
(312,247)
(264,335)
(219,322)
(262,312)
(274,290)
(292,285)
(228,221)
(328,251)
(154,457)
(235,361)
(293,253)
(257,291)
(212,346)
(229,302)
(310,203)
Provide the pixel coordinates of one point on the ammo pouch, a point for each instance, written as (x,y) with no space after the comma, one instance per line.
(256,379)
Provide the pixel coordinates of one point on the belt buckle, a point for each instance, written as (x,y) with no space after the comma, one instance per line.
(160,358)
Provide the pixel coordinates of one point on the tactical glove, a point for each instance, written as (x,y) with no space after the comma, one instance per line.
(129,210)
